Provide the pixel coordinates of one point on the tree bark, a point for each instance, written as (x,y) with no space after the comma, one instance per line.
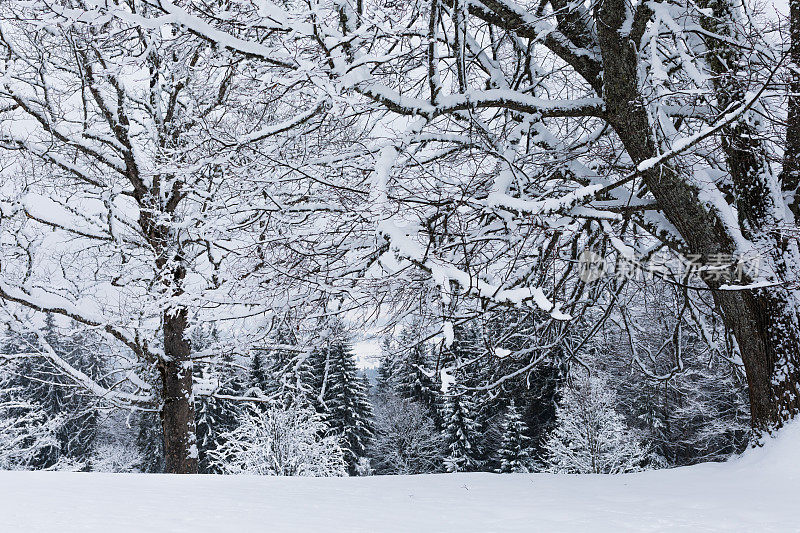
(177,415)
(764,321)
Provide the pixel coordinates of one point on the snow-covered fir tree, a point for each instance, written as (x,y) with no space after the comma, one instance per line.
(513,455)
(590,437)
(461,433)
(150,443)
(258,381)
(26,432)
(344,401)
(33,381)
(385,379)
(413,373)
(283,371)
(214,417)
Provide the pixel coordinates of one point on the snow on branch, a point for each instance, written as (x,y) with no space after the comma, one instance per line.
(65,308)
(115,397)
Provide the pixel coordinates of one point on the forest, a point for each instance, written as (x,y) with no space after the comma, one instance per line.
(570,226)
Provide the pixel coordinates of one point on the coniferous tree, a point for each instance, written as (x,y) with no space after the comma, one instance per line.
(385,382)
(290,376)
(462,433)
(72,413)
(81,423)
(513,455)
(345,402)
(150,443)
(590,436)
(149,440)
(258,378)
(214,415)
(214,418)
(413,375)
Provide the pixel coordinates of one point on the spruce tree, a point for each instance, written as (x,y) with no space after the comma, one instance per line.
(289,373)
(513,455)
(258,378)
(150,443)
(345,403)
(81,424)
(413,380)
(150,435)
(214,418)
(462,433)
(72,412)
(385,385)
(590,436)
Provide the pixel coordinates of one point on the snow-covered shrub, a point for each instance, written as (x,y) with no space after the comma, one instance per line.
(115,458)
(280,442)
(406,440)
(590,437)
(25,433)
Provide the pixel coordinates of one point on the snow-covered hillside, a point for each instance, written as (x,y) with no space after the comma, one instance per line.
(757,492)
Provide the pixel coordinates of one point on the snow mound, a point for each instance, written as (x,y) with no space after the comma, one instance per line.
(779,454)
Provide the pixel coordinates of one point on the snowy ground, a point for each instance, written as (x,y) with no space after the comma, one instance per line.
(758,492)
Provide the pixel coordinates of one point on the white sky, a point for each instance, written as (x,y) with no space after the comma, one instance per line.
(367,352)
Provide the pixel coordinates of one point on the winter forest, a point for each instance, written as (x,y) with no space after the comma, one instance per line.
(567,230)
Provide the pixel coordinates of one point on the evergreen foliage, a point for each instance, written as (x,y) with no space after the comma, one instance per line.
(32,381)
(513,455)
(344,401)
(590,437)
(462,433)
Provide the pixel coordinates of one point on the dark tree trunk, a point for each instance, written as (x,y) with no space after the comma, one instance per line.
(763,321)
(767,332)
(177,415)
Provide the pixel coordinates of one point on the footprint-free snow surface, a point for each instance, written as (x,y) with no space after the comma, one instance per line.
(757,492)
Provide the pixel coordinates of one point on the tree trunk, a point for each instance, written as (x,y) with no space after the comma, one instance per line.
(764,321)
(177,415)
(766,330)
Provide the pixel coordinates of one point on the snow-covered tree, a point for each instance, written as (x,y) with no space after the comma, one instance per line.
(290,373)
(27,434)
(695,116)
(258,379)
(149,185)
(138,138)
(413,372)
(215,417)
(513,455)
(150,443)
(590,437)
(344,400)
(406,440)
(115,458)
(33,378)
(279,441)
(461,433)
